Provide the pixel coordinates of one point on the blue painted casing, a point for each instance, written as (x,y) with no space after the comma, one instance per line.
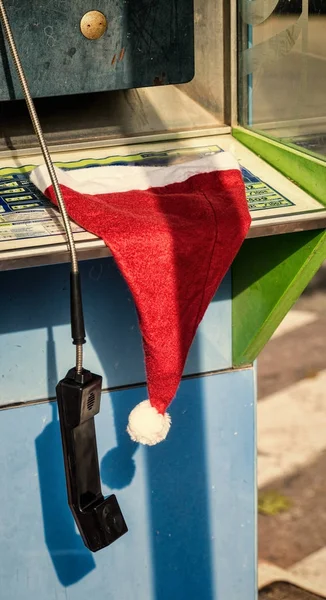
(189,502)
(35,339)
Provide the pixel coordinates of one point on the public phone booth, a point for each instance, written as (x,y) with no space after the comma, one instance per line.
(147,82)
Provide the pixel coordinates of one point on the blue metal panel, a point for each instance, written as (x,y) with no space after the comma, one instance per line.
(146,43)
(35,331)
(189,502)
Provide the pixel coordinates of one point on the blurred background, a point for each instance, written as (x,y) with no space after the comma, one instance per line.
(292,439)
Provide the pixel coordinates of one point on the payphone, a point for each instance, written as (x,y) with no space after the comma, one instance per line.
(130,84)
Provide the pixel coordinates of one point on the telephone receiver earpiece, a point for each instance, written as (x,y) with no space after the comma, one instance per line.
(99,520)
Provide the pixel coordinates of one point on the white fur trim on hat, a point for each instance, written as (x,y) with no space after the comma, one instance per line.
(146,425)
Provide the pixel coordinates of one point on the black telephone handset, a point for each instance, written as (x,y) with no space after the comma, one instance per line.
(99,519)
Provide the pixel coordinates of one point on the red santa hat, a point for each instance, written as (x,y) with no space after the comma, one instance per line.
(174,232)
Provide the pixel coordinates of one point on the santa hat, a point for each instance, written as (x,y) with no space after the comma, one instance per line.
(174,232)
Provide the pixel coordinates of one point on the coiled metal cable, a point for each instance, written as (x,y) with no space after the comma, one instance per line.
(47,158)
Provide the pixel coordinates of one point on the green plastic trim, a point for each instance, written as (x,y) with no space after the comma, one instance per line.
(269,275)
(305,170)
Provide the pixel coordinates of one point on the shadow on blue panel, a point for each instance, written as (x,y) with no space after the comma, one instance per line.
(181,546)
(71,559)
(177,494)
(118,465)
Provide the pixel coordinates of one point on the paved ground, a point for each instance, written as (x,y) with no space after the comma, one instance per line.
(292,437)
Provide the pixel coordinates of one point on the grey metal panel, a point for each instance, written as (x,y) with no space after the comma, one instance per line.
(196,107)
(147,42)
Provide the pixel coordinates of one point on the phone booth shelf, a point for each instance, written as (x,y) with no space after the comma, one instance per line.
(190,501)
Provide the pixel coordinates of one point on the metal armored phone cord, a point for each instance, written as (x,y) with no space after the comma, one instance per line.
(77,319)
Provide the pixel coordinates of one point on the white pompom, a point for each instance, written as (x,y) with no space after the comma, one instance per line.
(146,425)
